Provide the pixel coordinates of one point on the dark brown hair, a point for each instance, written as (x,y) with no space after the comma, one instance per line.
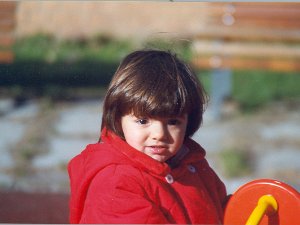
(153,83)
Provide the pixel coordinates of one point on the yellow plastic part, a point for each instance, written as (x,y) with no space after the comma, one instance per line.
(266,205)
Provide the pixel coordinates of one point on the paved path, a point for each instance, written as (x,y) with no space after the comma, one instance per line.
(272,137)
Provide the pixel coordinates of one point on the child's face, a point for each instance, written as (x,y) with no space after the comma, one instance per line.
(159,138)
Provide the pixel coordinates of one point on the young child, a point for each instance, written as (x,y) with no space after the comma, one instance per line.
(146,168)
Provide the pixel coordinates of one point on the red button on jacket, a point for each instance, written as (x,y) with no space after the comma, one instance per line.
(113,183)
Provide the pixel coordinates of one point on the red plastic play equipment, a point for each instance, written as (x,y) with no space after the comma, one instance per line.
(263,202)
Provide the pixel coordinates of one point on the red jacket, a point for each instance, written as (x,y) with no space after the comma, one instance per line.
(113,183)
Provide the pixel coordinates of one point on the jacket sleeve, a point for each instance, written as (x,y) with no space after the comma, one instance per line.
(116,195)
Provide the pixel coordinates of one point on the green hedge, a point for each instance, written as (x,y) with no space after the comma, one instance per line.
(255,88)
(44,63)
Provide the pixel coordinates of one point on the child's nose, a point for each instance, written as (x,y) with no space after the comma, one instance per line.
(159,131)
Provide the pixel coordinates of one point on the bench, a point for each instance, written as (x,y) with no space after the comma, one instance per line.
(7,28)
(247,36)
(250,35)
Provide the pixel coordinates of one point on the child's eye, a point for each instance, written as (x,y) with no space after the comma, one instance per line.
(173,122)
(142,121)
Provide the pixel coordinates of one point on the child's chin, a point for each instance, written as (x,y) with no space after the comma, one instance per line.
(159,158)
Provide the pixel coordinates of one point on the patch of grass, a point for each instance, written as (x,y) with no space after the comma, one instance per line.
(34,48)
(253,89)
(236,163)
(205,79)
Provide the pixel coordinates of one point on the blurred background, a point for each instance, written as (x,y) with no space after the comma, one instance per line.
(57,58)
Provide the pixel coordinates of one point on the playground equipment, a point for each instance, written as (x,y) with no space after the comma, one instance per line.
(263,202)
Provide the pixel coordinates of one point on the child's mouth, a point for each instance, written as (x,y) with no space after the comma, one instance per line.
(157,149)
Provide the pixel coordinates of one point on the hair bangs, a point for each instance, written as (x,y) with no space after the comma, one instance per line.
(158,101)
